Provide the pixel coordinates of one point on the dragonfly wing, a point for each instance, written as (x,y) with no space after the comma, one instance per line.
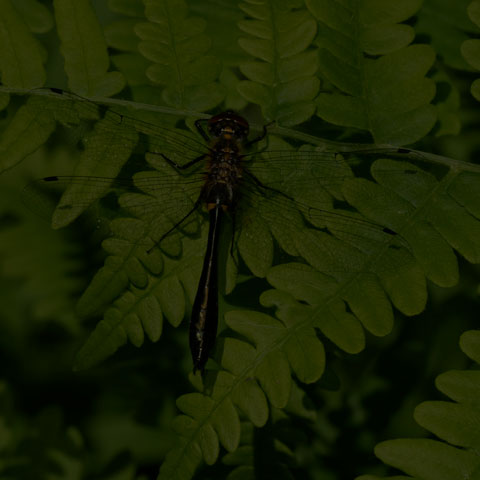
(295,190)
(156,131)
(157,198)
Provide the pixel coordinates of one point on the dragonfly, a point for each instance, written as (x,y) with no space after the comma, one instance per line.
(275,188)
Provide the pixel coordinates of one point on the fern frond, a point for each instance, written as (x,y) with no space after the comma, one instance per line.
(456,423)
(140,309)
(230,81)
(133,249)
(121,36)
(445,212)
(21,56)
(447,26)
(235,387)
(222,19)
(36,15)
(29,129)
(388,96)
(373,274)
(86,66)
(471,47)
(282,78)
(85,51)
(47,270)
(255,374)
(177,46)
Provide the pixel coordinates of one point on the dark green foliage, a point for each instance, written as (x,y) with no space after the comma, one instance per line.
(282,77)
(456,423)
(314,285)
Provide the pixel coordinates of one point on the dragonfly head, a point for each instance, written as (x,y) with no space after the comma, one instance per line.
(228,123)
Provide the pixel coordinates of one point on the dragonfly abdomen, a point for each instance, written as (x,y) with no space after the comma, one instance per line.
(204,320)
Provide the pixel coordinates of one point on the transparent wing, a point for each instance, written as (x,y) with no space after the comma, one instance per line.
(298,185)
(282,188)
(156,132)
(161,198)
(285,192)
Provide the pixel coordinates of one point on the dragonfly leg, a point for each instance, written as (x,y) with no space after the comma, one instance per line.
(183,167)
(261,136)
(166,234)
(260,185)
(201,131)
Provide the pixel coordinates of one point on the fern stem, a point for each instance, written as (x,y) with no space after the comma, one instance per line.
(330,145)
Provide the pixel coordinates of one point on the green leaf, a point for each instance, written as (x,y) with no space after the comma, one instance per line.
(473,10)
(130,8)
(30,128)
(106,152)
(226,423)
(121,35)
(428,459)
(306,355)
(141,308)
(470,344)
(388,96)
(471,52)
(257,255)
(282,77)
(213,419)
(46,268)
(85,51)
(177,46)
(230,81)
(182,461)
(456,231)
(447,26)
(328,315)
(4,100)
(38,18)
(249,397)
(274,377)
(461,386)
(458,424)
(103,342)
(392,100)
(21,56)
(133,67)
(250,371)
(470,48)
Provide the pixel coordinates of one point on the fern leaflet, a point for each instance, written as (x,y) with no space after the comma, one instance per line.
(282,78)
(177,46)
(456,423)
(388,96)
(471,47)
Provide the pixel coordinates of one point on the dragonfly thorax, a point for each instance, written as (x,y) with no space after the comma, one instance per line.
(225,159)
(221,185)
